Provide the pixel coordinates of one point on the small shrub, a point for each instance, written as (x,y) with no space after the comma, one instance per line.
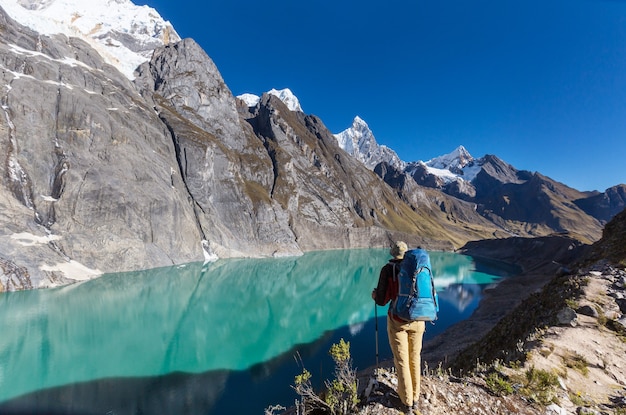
(441,373)
(546,350)
(540,386)
(515,365)
(577,399)
(617,328)
(498,385)
(309,400)
(340,396)
(577,362)
(602,318)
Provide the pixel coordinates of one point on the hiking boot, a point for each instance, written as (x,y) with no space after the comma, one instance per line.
(410,410)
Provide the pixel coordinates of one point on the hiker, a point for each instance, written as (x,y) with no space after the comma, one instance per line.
(405,337)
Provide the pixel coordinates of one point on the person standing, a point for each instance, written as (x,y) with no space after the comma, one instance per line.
(405,337)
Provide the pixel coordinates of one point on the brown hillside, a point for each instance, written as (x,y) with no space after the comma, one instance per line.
(612,246)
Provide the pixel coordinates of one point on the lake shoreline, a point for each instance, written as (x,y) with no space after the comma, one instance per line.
(539,259)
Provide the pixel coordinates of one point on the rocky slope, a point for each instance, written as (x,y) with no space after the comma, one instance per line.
(549,341)
(604,205)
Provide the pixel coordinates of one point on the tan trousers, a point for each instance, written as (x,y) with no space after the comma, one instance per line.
(405,340)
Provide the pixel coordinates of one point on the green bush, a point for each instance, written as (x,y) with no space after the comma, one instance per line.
(340,396)
(540,386)
(498,385)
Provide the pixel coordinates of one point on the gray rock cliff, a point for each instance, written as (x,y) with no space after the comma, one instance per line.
(89,177)
(226,170)
(100,174)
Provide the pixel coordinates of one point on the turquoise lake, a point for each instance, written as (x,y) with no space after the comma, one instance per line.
(215,338)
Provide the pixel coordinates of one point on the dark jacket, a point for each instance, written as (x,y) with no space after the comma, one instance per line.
(387,288)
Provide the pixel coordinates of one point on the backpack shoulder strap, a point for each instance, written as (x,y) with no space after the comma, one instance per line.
(434,290)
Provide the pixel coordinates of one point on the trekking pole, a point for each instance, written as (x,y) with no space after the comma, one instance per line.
(376,324)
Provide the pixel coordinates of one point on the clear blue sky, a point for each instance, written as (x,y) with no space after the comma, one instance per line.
(539,83)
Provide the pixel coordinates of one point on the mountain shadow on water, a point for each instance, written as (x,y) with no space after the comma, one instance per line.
(212,392)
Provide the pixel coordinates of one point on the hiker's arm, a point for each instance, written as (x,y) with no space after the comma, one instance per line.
(379,294)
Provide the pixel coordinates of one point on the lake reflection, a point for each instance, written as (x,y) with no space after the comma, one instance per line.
(191,339)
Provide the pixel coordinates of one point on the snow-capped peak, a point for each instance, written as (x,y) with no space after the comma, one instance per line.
(359,141)
(459,164)
(123,33)
(250,99)
(457,159)
(285,95)
(354,137)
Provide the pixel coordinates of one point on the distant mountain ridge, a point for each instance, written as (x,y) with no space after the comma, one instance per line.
(520,201)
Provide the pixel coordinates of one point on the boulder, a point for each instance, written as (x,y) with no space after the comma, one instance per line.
(567,317)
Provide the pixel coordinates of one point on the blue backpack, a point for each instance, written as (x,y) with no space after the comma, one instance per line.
(417,298)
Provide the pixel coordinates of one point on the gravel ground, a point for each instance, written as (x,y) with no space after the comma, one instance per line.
(444,395)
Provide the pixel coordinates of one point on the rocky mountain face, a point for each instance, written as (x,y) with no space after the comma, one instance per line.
(89,177)
(604,205)
(103,174)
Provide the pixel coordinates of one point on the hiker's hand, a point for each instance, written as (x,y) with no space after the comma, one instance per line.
(374,294)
